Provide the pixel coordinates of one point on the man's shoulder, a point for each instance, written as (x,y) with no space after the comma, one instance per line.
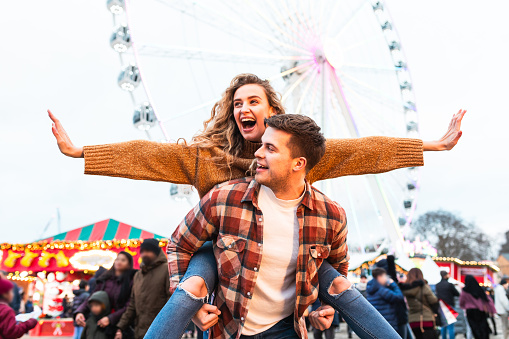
(230,190)
(323,202)
(235,183)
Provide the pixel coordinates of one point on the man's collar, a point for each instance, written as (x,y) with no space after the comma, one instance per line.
(253,189)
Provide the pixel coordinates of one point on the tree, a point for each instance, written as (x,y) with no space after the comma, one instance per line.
(505,247)
(452,236)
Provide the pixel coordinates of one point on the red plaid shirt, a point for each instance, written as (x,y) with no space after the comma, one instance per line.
(229,215)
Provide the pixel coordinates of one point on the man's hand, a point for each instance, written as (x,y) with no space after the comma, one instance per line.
(104,322)
(206,317)
(80,319)
(63,141)
(118,335)
(451,137)
(322,317)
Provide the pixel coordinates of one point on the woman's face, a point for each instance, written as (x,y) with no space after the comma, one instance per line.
(250,108)
(121,263)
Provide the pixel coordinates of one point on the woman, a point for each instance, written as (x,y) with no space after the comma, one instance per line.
(225,151)
(479,307)
(9,327)
(420,301)
(117,283)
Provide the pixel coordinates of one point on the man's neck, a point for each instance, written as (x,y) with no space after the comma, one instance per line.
(290,191)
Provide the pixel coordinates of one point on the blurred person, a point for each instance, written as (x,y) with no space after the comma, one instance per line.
(150,292)
(384,294)
(362,285)
(478,306)
(16,300)
(117,283)
(80,296)
(489,291)
(99,305)
(421,301)
(9,328)
(502,305)
(67,307)
(29,305)
(447,293)
(93,281)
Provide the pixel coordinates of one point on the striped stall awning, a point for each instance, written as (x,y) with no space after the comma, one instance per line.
(104,230)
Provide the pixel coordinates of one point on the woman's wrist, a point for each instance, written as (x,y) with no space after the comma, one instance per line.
(433,146)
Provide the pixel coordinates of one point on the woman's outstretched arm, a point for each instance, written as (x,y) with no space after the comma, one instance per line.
(138,159)
(372,155)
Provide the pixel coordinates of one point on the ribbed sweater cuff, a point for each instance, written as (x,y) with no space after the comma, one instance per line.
(98,159)
(409,153)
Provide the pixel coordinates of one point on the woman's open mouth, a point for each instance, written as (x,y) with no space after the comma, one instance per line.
(248,124)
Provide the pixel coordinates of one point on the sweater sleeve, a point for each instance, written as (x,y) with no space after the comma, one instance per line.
(10,329)
(368,155)
(143,160)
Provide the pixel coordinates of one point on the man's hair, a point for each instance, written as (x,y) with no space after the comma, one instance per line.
(83,284)
(364,276)
(503,281)
(307,141)
(443,274)
(378,272)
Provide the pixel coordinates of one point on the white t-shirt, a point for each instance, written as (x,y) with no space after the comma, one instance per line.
(275,290)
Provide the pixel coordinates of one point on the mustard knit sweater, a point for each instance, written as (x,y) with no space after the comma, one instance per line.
(203,167)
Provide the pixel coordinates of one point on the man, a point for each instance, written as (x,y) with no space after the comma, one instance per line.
(80,296)
(277,214)
(362,285)
(446,292)
(502,305)
(151,290)
(384,294)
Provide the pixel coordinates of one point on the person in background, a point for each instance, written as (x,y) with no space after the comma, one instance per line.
(151,290)
(420,299)
(29,305)
(99,305)
(478,305)
(384,294)
(362,285)
(117,282)
(16,301)
(80,296)
(489,291)
(447,292)
(502,305)
(9,328)
(93,281)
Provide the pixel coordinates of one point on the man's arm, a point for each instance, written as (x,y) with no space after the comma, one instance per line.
(338,256)
(197,227)
(454,291)
(391,293)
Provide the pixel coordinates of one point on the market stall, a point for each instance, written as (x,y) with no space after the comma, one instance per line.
(50,269)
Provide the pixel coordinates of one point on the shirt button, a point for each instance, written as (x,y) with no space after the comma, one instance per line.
(256,268)
(248,293)
(242,318)
(259,245)
(260,219)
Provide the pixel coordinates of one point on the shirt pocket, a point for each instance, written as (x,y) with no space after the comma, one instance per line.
(231,249)
(317,253)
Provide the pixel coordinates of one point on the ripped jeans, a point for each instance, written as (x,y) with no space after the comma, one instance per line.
(178,312)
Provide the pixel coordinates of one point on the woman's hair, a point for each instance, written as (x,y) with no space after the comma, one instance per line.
(221,130)
(125,279)
(472,287)
(414,274)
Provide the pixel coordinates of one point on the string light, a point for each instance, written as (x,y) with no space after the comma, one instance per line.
(468,263)
(78,245)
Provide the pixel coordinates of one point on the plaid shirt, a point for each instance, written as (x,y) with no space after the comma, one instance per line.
(229,215)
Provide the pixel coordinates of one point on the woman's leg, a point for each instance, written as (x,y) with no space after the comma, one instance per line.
(173,319)
(362,317)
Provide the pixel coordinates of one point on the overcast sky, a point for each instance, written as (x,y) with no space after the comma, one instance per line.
(55,54)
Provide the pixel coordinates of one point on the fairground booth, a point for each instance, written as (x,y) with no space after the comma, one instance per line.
(50,269)
(485,272)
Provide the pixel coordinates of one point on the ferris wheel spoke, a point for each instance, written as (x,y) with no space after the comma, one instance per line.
(290,71)
(351,20)
(370,67)
(207,104)
(292,26)
(295,84)
(312,78)
(301,22)
(345,109)
(215,55)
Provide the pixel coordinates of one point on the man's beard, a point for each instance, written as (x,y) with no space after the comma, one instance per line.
(146,261)
(276,182)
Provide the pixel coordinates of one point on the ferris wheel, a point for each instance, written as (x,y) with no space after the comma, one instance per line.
(340,62)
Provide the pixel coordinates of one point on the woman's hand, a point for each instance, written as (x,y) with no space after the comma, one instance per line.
(451,137)
(63,141)
(104,322)
(118,335)
(80,319)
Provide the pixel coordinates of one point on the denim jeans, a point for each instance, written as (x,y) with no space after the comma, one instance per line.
(282,330)
(448,329)
(77,332)
(173,319)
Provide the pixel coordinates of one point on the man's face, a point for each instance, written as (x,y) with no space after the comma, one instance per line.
(147,257)
(382,279)
(275,164)
(364,280)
